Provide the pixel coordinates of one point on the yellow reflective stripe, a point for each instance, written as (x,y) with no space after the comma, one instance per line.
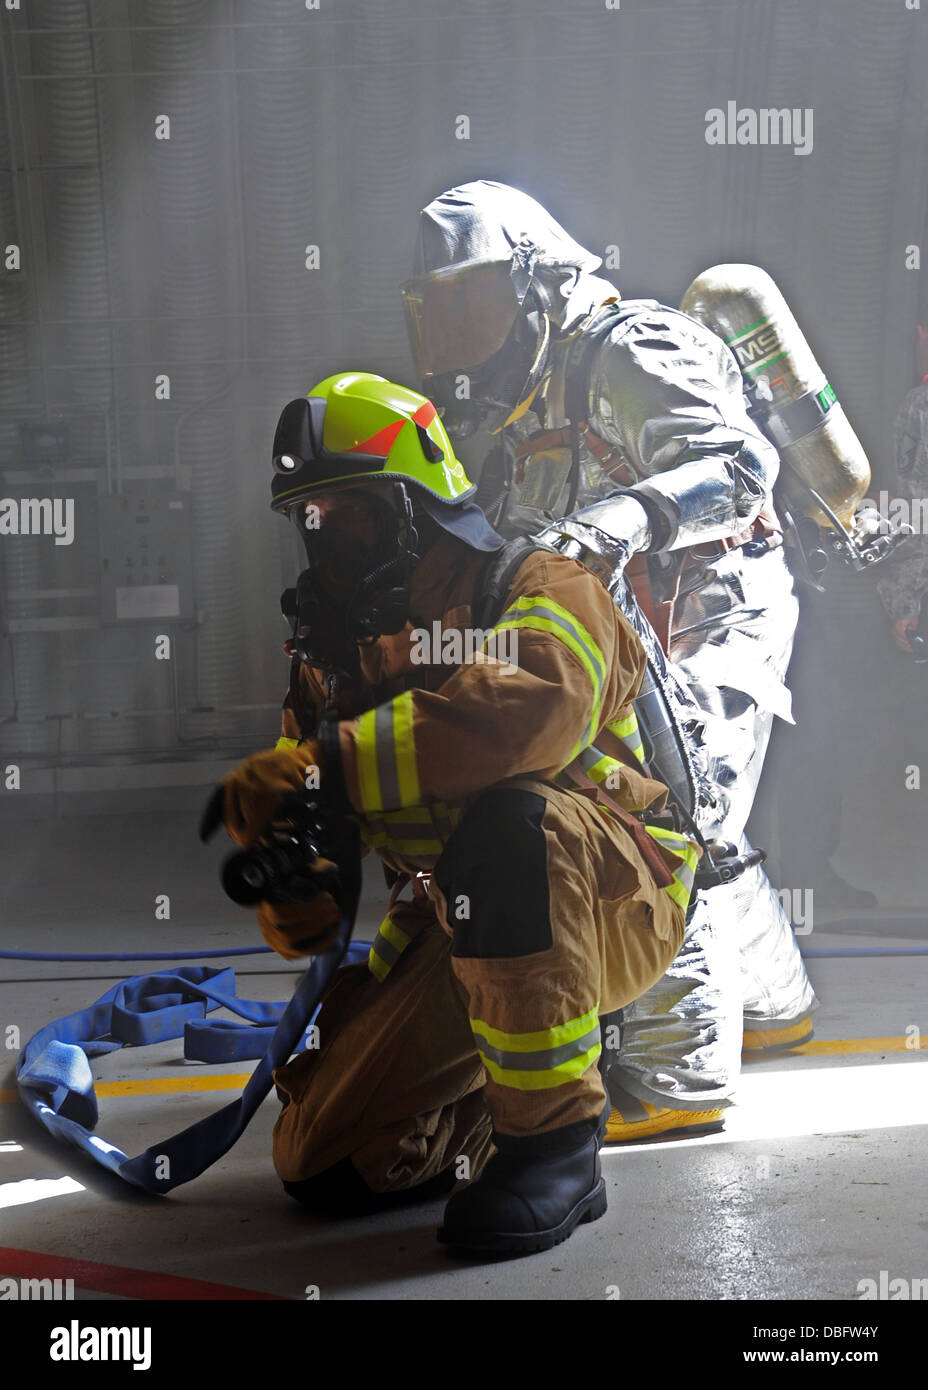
(600,770)
(544,615)
(386,948)
(542,1059)
(286,742)
(445,818)
(409,829)
(365,742)
(407,773)
(682,887)
(409,846)
(386,752)
(373,835)
(412,829)
(627,730)
(597,765)
(541,1080)
(541,1039)
(678,893)
(677,844)
(376,966)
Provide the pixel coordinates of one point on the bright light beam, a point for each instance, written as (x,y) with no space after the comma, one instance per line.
(827,1100)
(18,1194)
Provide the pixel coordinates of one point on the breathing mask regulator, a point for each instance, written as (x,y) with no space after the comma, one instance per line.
(361,549)
(355,464)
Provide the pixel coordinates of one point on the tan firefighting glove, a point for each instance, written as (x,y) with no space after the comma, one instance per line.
(251,792)
(300,929)
(244,802)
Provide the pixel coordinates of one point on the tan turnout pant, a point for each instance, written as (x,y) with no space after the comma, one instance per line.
(541,916)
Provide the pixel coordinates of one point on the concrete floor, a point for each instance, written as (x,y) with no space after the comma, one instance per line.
(817,1183)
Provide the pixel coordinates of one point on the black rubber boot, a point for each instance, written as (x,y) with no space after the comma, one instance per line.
(532,1193)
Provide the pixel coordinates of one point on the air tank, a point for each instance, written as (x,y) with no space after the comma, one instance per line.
(789,395)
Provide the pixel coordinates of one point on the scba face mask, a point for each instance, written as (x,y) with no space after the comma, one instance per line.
(361,547)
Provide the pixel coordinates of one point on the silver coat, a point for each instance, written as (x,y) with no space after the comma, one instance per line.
(667,393)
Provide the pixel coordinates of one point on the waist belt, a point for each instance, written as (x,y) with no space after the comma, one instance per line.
(610,457)
(650,840)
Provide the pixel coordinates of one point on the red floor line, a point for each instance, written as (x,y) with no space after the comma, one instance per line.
(117,1279)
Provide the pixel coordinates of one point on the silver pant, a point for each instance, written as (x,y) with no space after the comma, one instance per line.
(739,965)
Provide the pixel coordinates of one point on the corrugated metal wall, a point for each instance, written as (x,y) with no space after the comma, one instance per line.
(293,127)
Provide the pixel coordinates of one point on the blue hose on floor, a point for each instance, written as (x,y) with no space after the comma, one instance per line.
(55,1079)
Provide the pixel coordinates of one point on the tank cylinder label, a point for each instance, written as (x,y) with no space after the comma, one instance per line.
(758,346)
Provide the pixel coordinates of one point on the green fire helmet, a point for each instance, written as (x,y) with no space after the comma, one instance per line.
(355,426)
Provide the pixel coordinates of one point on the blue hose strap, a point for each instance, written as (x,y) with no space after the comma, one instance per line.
(56,1082)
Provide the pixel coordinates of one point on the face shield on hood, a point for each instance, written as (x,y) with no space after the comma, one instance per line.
(495,278)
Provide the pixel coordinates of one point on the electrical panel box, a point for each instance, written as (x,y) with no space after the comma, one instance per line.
(145,557)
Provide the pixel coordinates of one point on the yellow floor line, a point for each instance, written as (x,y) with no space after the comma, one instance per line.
(851,1045)
(234,1081)
(224,1081)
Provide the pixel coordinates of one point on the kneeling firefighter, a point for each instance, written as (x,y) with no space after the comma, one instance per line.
(444,686)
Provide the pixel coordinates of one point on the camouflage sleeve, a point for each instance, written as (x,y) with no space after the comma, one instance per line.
(903,583)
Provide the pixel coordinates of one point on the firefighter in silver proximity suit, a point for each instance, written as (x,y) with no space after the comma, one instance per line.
(622,433)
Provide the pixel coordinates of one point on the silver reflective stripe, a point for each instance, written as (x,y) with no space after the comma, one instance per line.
(407,829)
(543,1060)
(385,752)
(685,875)
(385,949)
(590,757)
